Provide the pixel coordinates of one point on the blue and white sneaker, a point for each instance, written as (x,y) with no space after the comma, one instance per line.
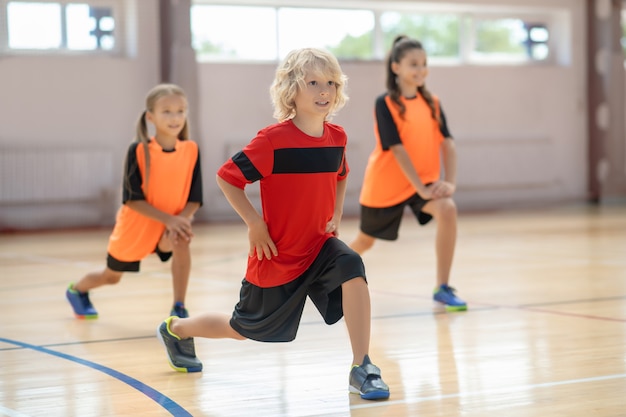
(365,380)
(445,294)
(83,309)
(179,310)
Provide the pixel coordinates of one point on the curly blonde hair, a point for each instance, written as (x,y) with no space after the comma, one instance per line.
(290,76)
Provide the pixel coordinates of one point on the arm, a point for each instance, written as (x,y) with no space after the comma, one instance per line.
(190,209)
(449,163)
(333,225)
(179,225)
(261,243)
(401,155)
(447,186)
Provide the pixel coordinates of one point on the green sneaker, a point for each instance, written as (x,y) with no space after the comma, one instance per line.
(181,353)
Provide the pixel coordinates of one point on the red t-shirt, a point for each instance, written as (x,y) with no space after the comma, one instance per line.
(298,177)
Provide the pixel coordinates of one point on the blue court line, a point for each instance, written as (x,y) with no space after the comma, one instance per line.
(170,405)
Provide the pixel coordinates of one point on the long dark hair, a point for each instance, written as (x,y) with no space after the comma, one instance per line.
(401,45)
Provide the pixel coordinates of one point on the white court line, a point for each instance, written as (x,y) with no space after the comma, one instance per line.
(11,413)
(518,388)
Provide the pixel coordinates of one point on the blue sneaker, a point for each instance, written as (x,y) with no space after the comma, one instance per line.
(181,353)
(366,381)
(179,310)
(83,309)
(445,295)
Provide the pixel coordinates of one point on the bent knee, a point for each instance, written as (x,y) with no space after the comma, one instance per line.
(112,277)
(180,245)
(362,243)
(444,208)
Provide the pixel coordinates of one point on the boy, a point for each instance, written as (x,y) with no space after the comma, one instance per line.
(294,252)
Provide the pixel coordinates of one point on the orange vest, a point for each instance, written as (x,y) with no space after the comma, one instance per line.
(135,236)
(384,183)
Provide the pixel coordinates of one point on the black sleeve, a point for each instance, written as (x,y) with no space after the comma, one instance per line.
(387,130)
(443,126)
(132,177)
(195,192)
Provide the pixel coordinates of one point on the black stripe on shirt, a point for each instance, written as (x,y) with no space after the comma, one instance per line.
(307,160)
(247,168)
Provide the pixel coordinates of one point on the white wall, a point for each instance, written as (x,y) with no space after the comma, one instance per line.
(521,131)
(65,103)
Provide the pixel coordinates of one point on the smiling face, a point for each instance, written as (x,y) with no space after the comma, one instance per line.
(316,97)
(168,115)
(411,70)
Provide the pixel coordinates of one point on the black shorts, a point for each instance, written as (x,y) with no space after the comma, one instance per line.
(273,314)
(133,266)
(384,223)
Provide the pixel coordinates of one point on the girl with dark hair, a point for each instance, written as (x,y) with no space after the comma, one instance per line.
(404,168)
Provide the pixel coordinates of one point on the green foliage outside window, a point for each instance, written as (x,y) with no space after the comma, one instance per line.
(438,33)
(354,47)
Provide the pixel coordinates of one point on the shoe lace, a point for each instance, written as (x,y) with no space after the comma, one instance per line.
(448,289)
(84,298)
(179,308)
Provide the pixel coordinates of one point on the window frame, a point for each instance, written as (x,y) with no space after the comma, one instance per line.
(467,14)
(546,19)
(117,12)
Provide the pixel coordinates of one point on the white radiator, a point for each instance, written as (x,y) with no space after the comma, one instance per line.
(54,174)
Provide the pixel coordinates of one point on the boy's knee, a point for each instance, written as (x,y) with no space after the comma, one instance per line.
(348,260)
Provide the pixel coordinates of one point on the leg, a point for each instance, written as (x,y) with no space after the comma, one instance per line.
(176,335)
(444,212)
(357,315)
(181,265)
(362,243)
(181,269)
(77,294)
(208,325)
(97,279)
(365,377)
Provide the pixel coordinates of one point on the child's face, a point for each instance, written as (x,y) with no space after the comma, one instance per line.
(169,115)
(412,69)
(318,96)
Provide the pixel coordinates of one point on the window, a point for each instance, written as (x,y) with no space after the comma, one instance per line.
(48,26)
(510,40)
(350,39)
(269,33)
(233,33)
(439,33)
(449,33)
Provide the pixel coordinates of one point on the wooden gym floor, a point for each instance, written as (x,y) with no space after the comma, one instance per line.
(545,333)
